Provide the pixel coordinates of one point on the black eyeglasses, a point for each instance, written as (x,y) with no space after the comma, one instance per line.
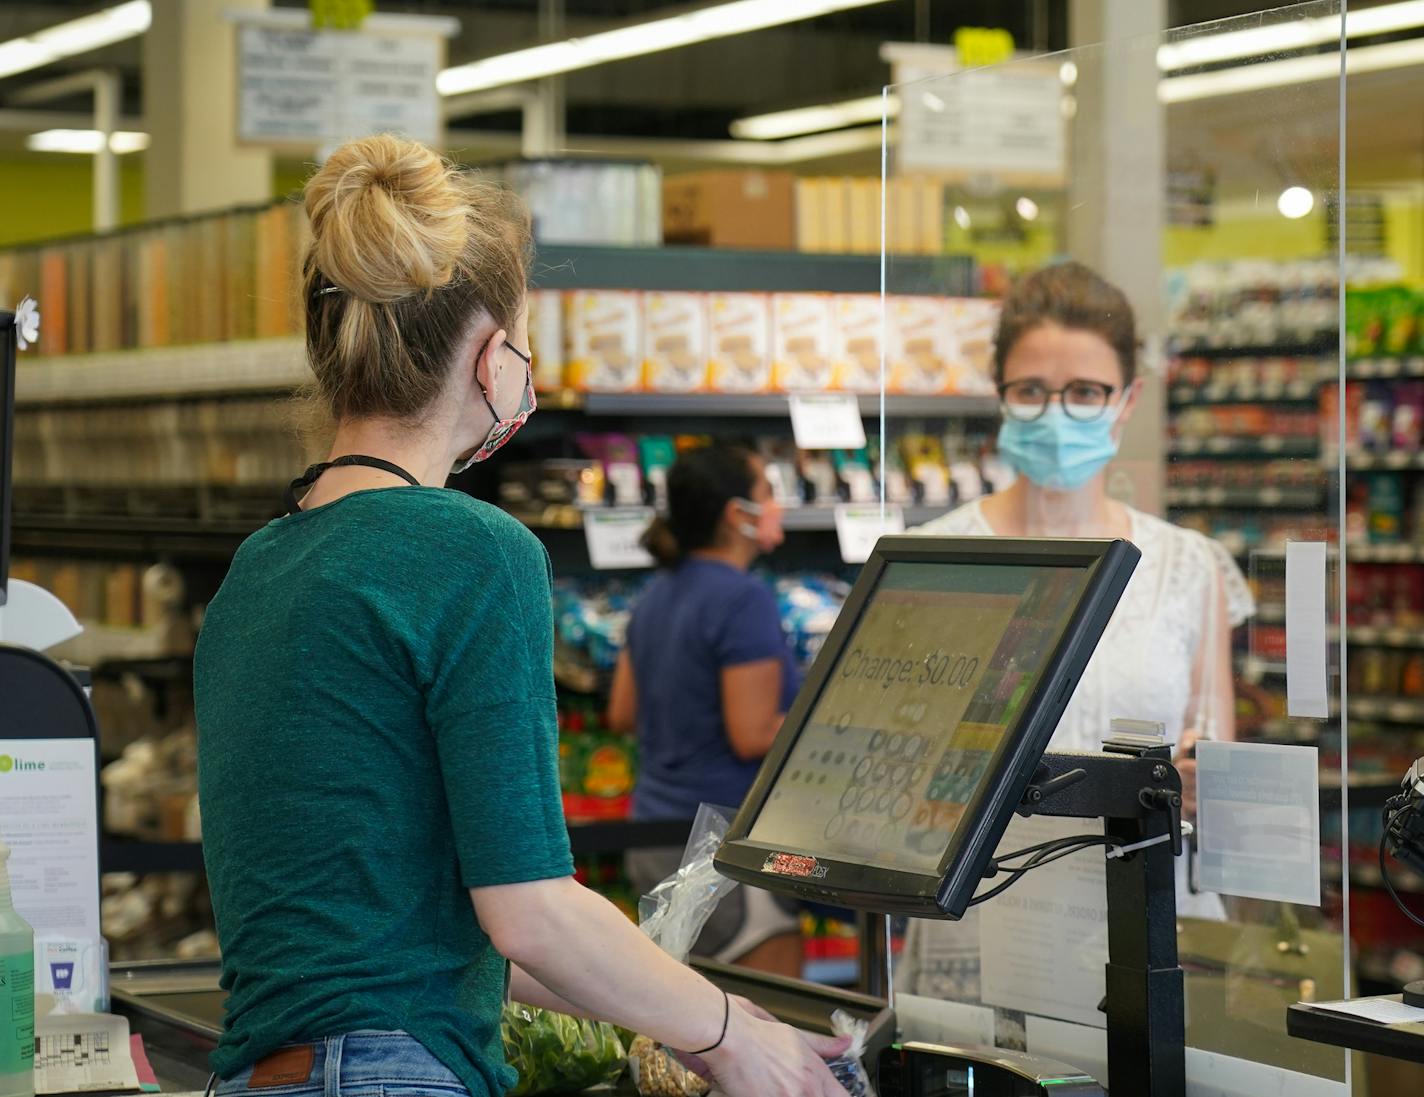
(1027,400)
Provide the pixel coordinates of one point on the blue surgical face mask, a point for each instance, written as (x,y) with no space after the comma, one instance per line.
(1057,451)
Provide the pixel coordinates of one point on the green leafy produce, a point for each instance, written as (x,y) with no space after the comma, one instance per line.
(556,1053)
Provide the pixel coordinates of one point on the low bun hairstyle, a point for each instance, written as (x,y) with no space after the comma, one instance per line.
(407,252)
(700,484)
(1075,297)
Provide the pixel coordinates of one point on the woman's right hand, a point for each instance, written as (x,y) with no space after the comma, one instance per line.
(759,1056)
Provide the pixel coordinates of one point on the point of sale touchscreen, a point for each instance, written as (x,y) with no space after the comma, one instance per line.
(938,668)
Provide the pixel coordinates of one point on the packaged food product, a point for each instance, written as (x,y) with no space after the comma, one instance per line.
(546,338)
(657,1073)
(675,347)
(1386,508)
(975,321)
(658,452)
(921,344)
(802,338)
(603,339)
(739,334)
(858,326)
(555,1053)
(1376,415)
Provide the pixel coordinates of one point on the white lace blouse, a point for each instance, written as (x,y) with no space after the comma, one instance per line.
(1142,669)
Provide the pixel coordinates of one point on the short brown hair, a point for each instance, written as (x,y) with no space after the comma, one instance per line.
(1072,296)
(407,252)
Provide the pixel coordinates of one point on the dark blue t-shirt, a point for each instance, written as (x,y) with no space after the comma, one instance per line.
(692,621)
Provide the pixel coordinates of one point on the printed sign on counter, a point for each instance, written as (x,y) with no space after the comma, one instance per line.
(827,421)
(1258,809)
(49,819)
(1043,944)
(614,535)
(859,527)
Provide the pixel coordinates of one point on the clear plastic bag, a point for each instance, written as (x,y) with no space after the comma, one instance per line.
(848,1068)
(673,915)
(675,911)
(556,1053)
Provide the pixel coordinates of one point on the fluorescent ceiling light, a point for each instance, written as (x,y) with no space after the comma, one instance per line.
(90,141)
(1293,70)
(1284,37)
(817,119)
(89,32)
(701,25)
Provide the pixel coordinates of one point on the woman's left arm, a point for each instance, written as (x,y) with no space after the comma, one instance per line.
(623,696)
(1212,705)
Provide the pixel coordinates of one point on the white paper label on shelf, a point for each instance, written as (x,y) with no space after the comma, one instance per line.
(1307,683)
(827,421)
(613,535)
(49,819)
(325,86)
(859,527)
(1258,814)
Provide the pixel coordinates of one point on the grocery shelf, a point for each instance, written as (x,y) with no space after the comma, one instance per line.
(726,269)
(1256,392)
(211,369)
(1384,554)
(807,519)
(278,366)
(1372,462)
(180,538)
(1321,344)
(777,405)
(1390,637)
(1253,668)
(1366,369)
(1247,498)
(1267,445)
(1398,710)
(1269,613)
(118,854)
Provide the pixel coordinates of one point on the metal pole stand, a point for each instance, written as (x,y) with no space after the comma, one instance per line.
(1138,794)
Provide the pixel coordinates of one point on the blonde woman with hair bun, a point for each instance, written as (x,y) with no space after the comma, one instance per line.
(377,755)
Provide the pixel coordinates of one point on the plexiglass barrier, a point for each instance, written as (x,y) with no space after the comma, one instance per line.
(1152,351)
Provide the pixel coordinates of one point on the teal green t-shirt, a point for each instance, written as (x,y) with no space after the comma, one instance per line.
(376,734)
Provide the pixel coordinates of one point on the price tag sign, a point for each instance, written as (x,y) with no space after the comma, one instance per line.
(859,527)
(613,535)
(827,421)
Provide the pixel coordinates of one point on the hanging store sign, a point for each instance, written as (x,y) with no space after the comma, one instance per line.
(297,85)
(1006,120)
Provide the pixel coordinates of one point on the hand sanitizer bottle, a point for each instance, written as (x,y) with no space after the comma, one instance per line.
(17,993)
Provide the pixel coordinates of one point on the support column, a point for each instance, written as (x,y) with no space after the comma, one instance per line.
(544,111)
(193,161)
(1116,203)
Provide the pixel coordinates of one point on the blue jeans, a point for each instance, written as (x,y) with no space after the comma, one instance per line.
(359,1064)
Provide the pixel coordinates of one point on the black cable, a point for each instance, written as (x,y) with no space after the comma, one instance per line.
(1384,872)
(1045,854)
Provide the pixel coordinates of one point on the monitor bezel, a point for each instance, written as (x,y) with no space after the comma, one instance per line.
(1108,564)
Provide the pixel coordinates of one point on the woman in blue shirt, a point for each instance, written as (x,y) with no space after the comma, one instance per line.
(706,677)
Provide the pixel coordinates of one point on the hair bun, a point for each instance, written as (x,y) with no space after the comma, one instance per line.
(389,218)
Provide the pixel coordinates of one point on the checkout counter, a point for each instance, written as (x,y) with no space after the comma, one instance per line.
(897,770)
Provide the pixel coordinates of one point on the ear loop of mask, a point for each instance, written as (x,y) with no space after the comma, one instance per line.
(749,529)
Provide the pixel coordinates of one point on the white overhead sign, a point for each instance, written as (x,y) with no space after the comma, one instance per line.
(1006,119)
(298,85)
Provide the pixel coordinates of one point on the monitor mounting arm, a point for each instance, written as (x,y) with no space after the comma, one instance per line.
(1138,794)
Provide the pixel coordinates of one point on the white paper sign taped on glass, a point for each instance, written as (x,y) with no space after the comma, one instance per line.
(938,668)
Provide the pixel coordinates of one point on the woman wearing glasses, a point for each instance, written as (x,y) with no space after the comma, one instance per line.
(1065,361)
